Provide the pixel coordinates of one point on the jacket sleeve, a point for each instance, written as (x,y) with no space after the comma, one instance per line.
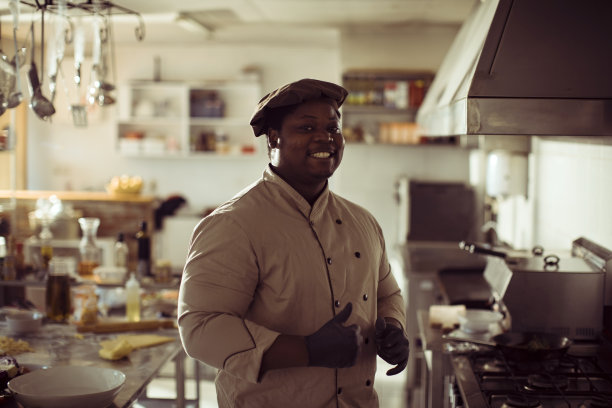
(390,300)
(217,287)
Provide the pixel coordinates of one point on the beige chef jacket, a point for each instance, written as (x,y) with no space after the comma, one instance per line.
(267,263)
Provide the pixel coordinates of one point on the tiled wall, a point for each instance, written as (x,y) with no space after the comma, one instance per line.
(573,192)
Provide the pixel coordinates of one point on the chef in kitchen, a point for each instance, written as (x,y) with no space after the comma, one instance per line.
(287,289)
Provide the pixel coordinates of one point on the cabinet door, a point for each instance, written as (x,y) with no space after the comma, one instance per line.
(13,153)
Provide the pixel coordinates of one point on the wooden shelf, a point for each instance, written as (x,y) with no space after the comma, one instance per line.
(77,196)
(175,119)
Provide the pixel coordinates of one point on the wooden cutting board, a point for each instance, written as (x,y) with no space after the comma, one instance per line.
(116,325)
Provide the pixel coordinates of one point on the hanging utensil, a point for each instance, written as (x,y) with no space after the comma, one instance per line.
(56,51)
(79,113)
(39,104)
(5,63)
(15,97)
(4,77)
(99,88)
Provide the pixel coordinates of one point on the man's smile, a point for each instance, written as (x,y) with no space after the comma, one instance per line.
(321,155)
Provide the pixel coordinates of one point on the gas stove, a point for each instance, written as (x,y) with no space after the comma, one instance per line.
(484,378)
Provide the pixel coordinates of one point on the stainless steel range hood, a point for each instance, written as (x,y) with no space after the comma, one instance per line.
(526,67)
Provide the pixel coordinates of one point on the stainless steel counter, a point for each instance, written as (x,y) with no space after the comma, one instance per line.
(423,257)
(438,364)
(420,263)
(59,344)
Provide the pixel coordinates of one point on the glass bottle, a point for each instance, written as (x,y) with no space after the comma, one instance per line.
(144,251)
(3,253)
(132,301)
(46,248)
(57,295)
(88,248)
(121,251)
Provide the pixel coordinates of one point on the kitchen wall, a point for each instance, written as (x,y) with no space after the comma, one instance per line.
(65,157)
(569,182)
(572,191)
(567,195)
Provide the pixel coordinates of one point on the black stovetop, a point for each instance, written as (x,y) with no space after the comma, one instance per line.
(487,379)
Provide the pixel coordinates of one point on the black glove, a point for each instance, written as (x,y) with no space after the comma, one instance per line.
(391,345)
(334,345)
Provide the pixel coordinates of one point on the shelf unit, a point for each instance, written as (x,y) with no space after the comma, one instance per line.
(381,106)
(172,119)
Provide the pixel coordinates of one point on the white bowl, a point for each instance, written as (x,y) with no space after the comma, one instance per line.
(24,322)
(67,387)
(478,320)
(111,274)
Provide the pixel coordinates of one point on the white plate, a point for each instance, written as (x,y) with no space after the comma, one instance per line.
(478,320)
(67,387)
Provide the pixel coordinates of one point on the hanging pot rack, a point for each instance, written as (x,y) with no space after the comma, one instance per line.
(88,8)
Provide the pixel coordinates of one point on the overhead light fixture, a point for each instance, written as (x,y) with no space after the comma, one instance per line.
(190,24)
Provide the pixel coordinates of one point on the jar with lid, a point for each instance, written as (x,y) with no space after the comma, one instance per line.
(90,253)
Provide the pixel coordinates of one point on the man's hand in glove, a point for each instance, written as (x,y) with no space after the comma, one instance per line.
(335,345)
(391,345)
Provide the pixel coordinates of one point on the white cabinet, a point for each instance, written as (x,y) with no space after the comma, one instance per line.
(166,119)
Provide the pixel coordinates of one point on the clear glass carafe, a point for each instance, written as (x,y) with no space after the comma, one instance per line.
(91,254)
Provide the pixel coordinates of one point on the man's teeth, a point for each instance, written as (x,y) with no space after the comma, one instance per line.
(321,155)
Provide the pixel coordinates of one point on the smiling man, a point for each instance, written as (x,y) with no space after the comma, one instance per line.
(287,289)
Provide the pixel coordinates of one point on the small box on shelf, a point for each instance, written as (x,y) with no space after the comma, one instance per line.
(206,103)
(130,147)
(153,146)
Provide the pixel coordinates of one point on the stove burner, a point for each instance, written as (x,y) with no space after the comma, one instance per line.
(597,401)
(547,381)
(521,401)
(526,367)
(494,366)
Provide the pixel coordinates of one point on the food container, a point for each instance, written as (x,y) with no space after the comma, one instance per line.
(478,320)
(24,322)
(110,274)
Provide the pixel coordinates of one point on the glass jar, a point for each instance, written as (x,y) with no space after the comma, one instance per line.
(58,296)
(91,254)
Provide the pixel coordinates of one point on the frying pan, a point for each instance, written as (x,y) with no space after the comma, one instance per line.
(532,346)
(525,346)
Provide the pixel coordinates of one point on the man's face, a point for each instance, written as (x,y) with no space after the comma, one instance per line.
(308,148)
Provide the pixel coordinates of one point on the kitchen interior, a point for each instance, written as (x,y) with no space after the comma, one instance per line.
(478,133)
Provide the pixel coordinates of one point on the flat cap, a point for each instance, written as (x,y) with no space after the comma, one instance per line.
(293,94)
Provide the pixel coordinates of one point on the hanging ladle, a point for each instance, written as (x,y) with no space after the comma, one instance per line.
(39,104)
(15,97)
(7,70)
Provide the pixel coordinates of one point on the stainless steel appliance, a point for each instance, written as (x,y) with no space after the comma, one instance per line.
(550,294)
(484,376)
(600,258)
(436,211)
(524,67)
